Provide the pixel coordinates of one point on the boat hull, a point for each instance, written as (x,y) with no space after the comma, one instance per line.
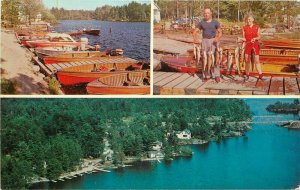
(35,44)
(94,32)
(180,64)
(74,78)
(124,90)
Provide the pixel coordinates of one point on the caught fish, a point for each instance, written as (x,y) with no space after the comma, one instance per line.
(204,62)
(195,51)
(242,51)
(217,56)
(237,57)
(198,54)
(220,55)
(209,61)
(229,61)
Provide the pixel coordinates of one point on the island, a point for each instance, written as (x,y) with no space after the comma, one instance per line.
(286,108)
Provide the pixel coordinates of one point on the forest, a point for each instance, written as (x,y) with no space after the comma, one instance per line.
(265,12)
(46,137)
(133,12)
(280,107)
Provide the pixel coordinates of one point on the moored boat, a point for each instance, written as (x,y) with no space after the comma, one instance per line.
(95,32)
(184,64)
(54,40)
(43,52)
(89,72)
(282,43)
(125,83)
(75,56)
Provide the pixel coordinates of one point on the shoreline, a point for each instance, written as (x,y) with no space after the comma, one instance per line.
(16,66)
(94,166)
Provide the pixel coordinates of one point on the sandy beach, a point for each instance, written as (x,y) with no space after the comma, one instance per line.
(16,66)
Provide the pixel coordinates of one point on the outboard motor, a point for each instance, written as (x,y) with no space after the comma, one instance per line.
(116,52)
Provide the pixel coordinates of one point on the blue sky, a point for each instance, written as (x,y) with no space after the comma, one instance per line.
(87,4)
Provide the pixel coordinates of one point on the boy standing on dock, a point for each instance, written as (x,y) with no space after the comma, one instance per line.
(211,34)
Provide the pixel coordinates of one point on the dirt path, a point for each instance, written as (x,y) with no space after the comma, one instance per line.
(16,66)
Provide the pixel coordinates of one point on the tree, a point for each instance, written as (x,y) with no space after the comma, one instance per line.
(30,8)
(9,10)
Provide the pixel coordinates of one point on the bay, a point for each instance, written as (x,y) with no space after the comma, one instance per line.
(266,158)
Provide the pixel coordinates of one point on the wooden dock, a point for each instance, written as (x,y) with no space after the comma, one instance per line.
(51,69)
(173,83)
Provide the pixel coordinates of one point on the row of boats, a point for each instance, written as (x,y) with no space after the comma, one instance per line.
(107,72)
(278,57)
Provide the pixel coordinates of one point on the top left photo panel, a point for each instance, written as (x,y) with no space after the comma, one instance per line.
(73,47)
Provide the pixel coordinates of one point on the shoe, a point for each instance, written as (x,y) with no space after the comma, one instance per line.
(217,79)
(246,78)
(260,76)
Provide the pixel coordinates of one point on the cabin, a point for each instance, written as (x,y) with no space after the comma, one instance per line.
(155,154)
(156,13)
(156,146)
(185,134)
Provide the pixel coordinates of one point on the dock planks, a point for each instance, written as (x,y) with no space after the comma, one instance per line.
(51,69)
(173,83)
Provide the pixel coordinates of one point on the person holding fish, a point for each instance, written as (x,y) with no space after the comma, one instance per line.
(211,34)
(250,38)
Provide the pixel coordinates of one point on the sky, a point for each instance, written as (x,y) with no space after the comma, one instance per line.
(87,4)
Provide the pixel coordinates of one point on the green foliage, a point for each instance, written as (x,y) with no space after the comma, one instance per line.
(186,151)
(234,11)
(15,173)
(8,86)
(133,12)
(280,107)
(9,8)
(54,85)
(51,136)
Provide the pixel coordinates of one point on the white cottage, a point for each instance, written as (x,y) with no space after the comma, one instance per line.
(156,13)
(185,134)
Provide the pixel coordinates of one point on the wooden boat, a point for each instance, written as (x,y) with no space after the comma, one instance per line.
(279,56)
(75,56)
(90,72)
(126,83)
(75,33)
(95,32)
(274,62)
(54,40)
(184,64)
(43,52)
(282,43)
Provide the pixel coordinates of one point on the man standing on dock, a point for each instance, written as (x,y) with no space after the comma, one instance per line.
(211,34)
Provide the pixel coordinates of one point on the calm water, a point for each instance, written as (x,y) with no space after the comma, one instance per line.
(267,157)
(132,37)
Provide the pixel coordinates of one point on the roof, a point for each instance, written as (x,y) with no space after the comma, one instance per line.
(184,131)
(156,6)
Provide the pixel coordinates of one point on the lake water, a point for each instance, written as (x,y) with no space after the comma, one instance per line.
(132,37)
(266,158)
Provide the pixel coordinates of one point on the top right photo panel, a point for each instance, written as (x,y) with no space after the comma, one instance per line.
(226,47)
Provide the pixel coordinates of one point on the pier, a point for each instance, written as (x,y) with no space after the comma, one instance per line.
(173,83)
(51,69)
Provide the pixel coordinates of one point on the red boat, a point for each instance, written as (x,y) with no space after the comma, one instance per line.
(184,64)
(54,40)
(90,72)
(126,83)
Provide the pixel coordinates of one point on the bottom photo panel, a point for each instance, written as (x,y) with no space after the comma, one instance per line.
(153,143)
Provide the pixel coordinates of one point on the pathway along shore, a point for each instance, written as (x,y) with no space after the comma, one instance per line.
(16,66)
